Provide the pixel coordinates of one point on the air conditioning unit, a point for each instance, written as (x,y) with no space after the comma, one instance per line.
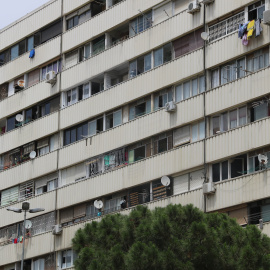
(57,229)
(51,77)
(266,17)
(209,188)
(206,2)
(170,106)
(193,7)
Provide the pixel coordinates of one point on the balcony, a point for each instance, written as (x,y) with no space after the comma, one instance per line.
(27,98)
(237,92)
(218,51)
(127,50)
(23,64)
(46,201)
(123,93)
(168,163)
(131,132)
(30,23)
(240,190)
(237,141)
(29,132)
(28,170)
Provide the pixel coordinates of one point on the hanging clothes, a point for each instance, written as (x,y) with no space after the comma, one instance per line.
(242,29)
(250,29)
(245,40)
(32,53)
(258,28)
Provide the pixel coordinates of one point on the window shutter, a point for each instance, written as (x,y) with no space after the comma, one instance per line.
(10,195)
(181,136)
(180,184)
(71,59)
(28,148)
(51,31)
(33,77)
(160,14)
(240,215)
(170,142)
(196,179)
(42,143)
(66,215)
(80,210)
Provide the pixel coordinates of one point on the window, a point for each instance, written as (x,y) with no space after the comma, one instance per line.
(140,108)
(163,143)
(253,160)
(198,131)
(181,136)
(140,65)
(12,123)
(39,264)
(114,119)
(189,88)
(227,169)
(77,94)
(98,45)
(226,27)
(255,11)
(84,52)
(95,126)
(14,52)
(51,31)
(71,59)
(163,55)
(259,109)
(258,60)
(72,22)
(229,120)
(162,97)
(140,24)
(137,153)
(55,66)
(76,133)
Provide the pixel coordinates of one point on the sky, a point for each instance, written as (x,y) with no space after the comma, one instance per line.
(12,10)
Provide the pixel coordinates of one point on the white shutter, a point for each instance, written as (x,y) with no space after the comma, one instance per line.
(180,184)
(160,13)
(180,5)
(196,179)
(71,59)
(181,136)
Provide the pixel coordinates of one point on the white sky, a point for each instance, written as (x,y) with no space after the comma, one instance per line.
(12,10)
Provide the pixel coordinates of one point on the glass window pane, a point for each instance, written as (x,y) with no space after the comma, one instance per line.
(73,135)
(79,133)
(147,62)
(30,43)
(215,124)
(242,116)
(261,111)
(75,20)
(224,119)
(201,84)
(133,69)
(215,78)
(186,90)
(201,130)
(167,52)
(131,113)
(194,131)
(67,137)
(179,93)
(194,87)
(86,51)
(233,119)
(148,106)
(14,52)
(224,170)
(92,128)
(216,172)
(158,57)
(117,118)
(70,23)
(86,91)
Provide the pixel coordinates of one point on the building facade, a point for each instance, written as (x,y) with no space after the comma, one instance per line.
(100,99)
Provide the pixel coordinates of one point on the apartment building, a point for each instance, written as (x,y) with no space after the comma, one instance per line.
(101,99)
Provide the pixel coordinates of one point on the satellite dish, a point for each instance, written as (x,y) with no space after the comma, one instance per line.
(33,154)
(28,224)
(165,181)
(20,83)
(19,117)
(263,159)
(204,36)
(98,204)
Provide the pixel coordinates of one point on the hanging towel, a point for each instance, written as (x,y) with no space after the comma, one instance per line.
(242,29)
(250,29)
(258,28)
(244,40)
(32,53)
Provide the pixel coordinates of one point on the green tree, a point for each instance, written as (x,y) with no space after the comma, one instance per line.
(171,238)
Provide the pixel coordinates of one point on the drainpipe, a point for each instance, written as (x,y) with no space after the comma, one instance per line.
(204,103)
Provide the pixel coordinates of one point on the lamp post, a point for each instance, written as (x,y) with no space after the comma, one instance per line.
(25,208)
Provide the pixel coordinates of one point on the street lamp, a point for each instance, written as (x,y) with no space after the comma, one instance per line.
(25,208)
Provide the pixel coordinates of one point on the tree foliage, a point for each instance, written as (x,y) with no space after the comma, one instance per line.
(171,238)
